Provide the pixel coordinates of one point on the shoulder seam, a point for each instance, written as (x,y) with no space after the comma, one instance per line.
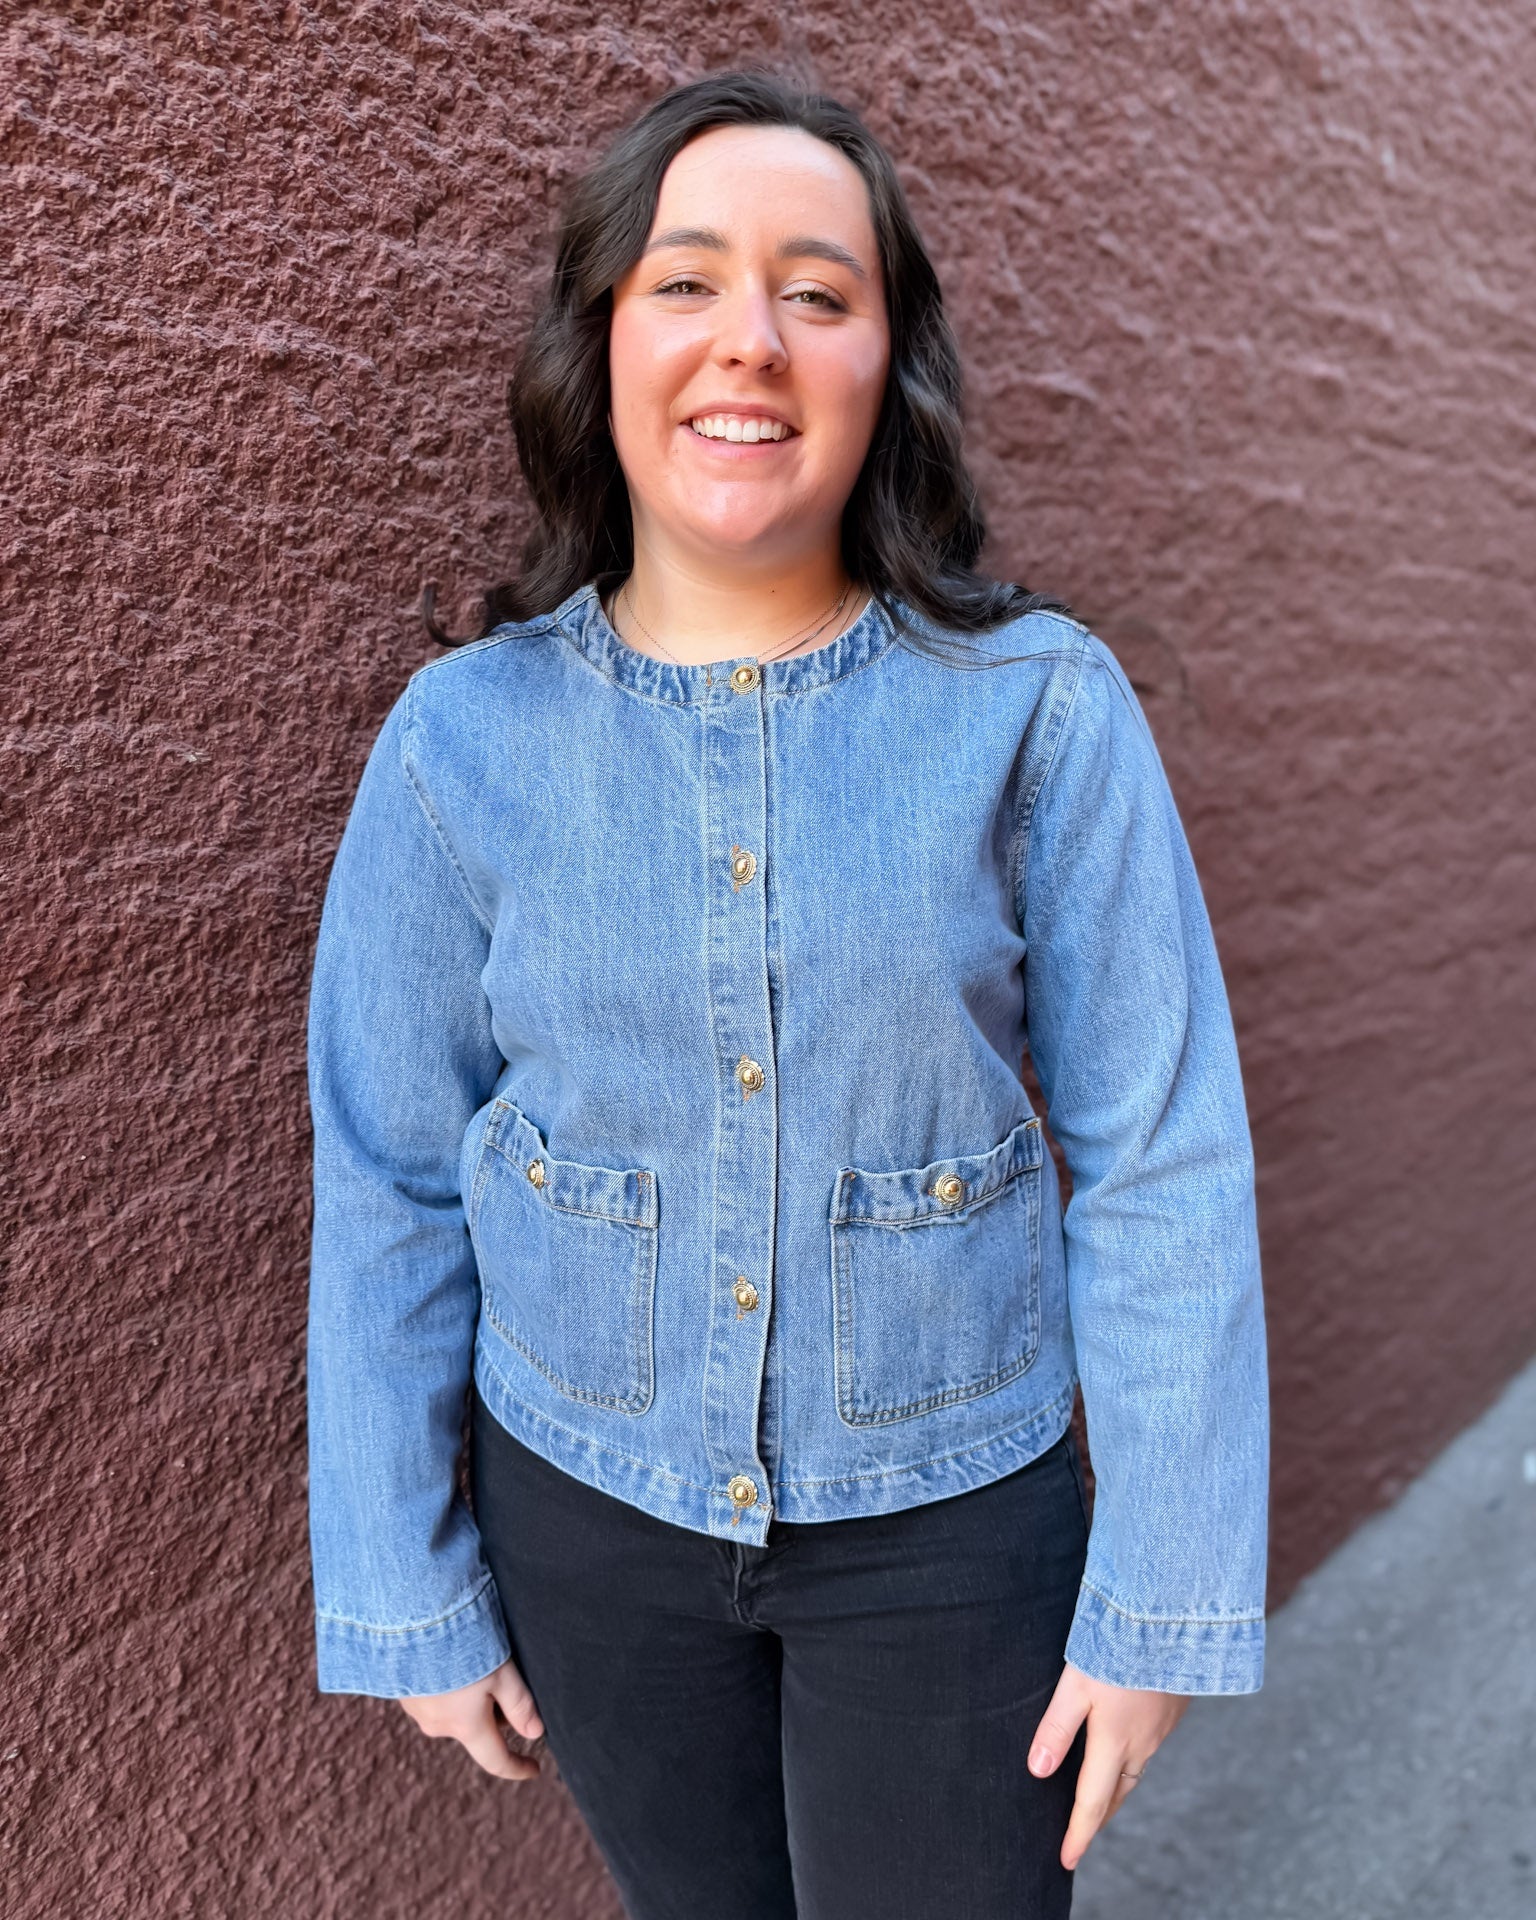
(508,630)
(1061,619)
(1104,659)
(1019,862)
(428,810)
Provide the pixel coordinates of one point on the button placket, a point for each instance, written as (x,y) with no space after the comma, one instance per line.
(746,1135)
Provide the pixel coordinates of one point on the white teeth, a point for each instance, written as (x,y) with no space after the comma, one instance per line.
(730,426)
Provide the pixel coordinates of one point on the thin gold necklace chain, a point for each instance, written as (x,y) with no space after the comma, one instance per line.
(795,640)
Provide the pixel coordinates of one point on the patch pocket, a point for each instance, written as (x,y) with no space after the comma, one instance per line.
(567,1256)
(936,1279)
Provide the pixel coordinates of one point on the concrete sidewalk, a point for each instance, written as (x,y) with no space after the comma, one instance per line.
(1386,1770)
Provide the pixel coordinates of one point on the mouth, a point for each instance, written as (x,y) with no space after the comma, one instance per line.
(740,430)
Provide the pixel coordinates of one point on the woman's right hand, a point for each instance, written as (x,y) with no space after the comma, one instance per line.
(468,1715)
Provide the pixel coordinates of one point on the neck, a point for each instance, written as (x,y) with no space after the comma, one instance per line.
(703,615)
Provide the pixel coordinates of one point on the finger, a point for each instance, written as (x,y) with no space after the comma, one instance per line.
(482,1739)
(1058,1726)
(517,1703)
(1097,1780)
(1124,1782)
(490,1751)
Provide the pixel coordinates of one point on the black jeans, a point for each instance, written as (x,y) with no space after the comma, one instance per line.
(833,1726)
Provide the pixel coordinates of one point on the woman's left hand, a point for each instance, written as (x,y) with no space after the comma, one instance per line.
(1126,1726)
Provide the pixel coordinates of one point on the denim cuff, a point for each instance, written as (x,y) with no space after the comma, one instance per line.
(1219,1654)
(393,1663)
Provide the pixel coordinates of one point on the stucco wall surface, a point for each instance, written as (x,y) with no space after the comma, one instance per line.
(1245,296)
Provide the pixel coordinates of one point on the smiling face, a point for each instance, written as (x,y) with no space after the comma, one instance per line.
(758,300)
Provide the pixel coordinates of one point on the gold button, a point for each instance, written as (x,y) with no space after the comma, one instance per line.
(950,1188)
(743,865)
(536,1172)
(745,1292)
(749,1073)
(742,1491)
(744,679)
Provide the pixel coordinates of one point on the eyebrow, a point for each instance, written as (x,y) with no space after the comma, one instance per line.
(799,246)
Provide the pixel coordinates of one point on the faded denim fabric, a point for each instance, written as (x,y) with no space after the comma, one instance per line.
(665,1035)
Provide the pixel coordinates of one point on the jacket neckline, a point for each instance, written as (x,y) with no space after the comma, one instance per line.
(580,617)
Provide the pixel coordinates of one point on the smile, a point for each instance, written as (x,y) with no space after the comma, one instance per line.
(747,429)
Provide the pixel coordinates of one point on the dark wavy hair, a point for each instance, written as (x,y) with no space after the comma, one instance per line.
(912,527)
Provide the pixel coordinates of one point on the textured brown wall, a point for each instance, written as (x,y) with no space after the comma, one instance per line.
(1245,296)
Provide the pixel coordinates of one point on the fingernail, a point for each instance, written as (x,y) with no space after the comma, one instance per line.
(1040,1760)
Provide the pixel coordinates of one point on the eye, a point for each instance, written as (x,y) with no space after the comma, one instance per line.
(686,285)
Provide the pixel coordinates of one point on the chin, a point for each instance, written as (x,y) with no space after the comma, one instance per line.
(735,536)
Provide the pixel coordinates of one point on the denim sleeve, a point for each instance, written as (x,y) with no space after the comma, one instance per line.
(401,1055)
(1132,1039)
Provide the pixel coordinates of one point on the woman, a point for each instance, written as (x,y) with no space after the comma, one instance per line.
(666,1029)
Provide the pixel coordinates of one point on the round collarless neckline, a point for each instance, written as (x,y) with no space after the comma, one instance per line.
(581,618)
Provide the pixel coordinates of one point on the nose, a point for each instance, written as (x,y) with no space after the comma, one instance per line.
(747,333)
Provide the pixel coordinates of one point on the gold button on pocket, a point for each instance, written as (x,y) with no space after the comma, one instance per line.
(749,1073)
(744,679)
(742,1491)
(951,1189)
(536,1173)
(743,865)
(745,1292)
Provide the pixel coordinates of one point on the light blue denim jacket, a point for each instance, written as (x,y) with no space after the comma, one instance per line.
(665,1043)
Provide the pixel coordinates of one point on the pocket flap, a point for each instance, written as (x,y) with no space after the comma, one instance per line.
(942,1189)
(608,1193)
